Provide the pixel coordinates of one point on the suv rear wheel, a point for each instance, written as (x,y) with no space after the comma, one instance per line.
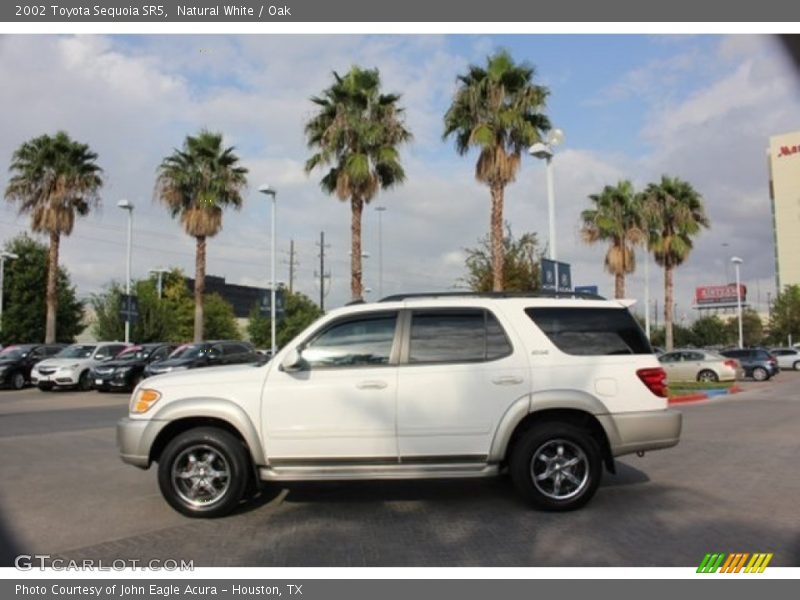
(556,466)
(760,374)
(203,472)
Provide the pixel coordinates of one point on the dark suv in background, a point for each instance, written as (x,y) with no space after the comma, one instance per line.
(757,363)
(17,361)
(205,354)
(126,370)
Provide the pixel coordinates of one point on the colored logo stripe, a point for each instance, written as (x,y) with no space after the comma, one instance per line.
(733,563)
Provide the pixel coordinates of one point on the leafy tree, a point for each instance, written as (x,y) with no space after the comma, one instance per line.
(784,318)
(498,110)
(220,320)
(520,264)
(752,328)
(196,183)
(24,291)
(683,336)
(299,312)
(53,179)
(674,214)
(356,131)
(710,331)
(616,218)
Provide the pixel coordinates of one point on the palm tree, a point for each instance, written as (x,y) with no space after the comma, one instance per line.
(497,109)
(617,219)
(356,130)
(674,214)
(196,183)
(53,179)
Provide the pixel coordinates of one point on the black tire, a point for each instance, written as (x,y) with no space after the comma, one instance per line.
(760,374)
(18,380)
(707,375)
(538,441)
(796,366)
(229,455)
(85,381)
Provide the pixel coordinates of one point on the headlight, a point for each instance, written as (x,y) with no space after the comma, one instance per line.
(143,400)
(121,370)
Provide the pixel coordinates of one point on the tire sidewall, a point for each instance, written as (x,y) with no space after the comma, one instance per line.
(223,442)
(18,378)
(533,439)
(796,366)
(707,376)
(762,370)
(84,382)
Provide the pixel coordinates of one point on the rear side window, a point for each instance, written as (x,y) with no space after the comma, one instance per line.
(439,336)
(591,331)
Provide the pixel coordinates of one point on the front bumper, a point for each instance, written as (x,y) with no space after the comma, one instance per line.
(642,431)
(135,438)
(111,382)
(60,377)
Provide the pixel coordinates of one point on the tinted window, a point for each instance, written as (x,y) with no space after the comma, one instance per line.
(160,354)
(693,356)
(456,336)
(591,331)
(231,349)
(670,357)
(355,342)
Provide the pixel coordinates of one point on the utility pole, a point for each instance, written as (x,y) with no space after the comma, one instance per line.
(292,262)
(322,274)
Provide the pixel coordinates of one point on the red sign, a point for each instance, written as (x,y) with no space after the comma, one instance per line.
(788,150)
(719,294)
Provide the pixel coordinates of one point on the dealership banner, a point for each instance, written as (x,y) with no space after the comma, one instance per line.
(710,295)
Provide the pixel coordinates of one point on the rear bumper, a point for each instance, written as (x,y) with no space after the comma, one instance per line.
(135,438)
(642,431)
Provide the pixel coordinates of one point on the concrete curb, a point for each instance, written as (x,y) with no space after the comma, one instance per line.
(700,396)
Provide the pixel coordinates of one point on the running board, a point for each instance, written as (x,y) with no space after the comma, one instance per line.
(327,472)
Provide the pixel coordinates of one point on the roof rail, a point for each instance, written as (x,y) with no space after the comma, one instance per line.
(543,294)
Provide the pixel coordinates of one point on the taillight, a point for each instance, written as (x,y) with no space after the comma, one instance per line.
(655,379)
(773,361)
(733,364)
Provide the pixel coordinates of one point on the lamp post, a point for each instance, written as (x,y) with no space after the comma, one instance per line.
(647,293)
(381,210)
(127,206)
(267,190)
(3,256)
(736,262)
(159,272)
(545,151)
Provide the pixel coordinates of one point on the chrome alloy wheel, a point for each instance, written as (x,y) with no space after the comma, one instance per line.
(559,469)
(201,475)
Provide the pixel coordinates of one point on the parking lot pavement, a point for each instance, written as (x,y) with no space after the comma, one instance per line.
(731,485)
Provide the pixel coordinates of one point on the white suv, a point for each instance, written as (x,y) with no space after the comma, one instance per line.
(547,389)
(72,366)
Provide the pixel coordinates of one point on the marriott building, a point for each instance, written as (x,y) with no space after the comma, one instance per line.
(784,187)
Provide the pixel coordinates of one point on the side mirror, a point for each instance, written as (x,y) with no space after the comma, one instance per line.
(293,361)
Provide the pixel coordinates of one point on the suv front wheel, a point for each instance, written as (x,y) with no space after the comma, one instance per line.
(203,472)
(556,466)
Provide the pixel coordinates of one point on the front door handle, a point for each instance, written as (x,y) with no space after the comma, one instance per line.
(509,380)
(371,385)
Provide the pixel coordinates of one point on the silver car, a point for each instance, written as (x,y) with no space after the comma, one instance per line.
(788,358)
(699,365)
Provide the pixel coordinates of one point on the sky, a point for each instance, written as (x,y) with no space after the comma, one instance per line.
(632,107)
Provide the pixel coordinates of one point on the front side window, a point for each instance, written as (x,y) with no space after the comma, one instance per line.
(471,335)
(670,357)
(365,341)
(591,331)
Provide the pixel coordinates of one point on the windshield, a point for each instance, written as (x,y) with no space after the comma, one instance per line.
(12,353)
(188,351)
(133,354)
(76,351)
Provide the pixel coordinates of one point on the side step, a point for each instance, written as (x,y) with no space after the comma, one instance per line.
(399,471)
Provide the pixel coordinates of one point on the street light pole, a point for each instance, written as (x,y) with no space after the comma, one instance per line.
(265,189)
(126,205)
(647,293)
(381,210)
(736,262)
(545,151)
(159,272)
(3,256)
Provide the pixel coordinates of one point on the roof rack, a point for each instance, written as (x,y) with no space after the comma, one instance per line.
(544,294)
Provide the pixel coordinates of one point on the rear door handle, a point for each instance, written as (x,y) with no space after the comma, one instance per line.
(510,380)
(371,385)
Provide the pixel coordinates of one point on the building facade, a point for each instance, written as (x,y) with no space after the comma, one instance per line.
(784,171)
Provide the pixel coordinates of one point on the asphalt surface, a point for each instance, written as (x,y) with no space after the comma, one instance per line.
(731,485)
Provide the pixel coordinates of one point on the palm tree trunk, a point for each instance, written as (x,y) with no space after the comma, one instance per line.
(52,289)
(356,285)
(199,286)
(619,285)
(668,306)
(496,226)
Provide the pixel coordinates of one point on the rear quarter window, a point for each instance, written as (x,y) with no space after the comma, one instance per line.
(591,331)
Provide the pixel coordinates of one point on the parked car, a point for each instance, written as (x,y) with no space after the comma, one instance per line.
(788,358)
(699,365)
(73,365)
(205,354)
(757,363)
(547,389)
(16,362)
(126,370)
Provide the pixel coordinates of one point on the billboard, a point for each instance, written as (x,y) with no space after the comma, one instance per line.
(713,295)
(556,276)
